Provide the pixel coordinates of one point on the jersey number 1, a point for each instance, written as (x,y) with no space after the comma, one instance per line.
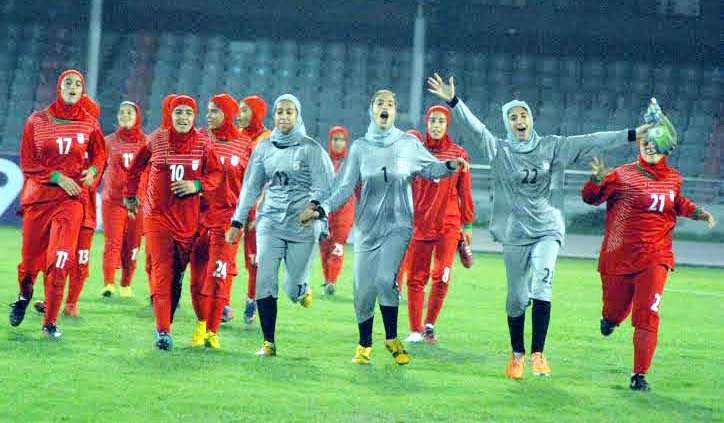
(384,172)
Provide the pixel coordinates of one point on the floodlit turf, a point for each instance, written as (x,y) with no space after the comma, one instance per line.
(106,369)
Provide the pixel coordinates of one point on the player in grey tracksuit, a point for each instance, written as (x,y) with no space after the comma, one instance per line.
(384,162)
(291,169)
(526,217)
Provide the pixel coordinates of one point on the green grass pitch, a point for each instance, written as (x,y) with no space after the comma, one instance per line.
(105,367)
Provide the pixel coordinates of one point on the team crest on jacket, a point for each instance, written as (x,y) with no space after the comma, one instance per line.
(234,160)
(546,166)
(223,159)
(81,138)
(671,194)
(194,165)
(296,165)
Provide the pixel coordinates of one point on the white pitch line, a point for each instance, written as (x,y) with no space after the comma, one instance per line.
(700,293)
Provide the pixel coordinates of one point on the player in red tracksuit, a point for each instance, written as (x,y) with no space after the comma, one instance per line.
(122,234)
(441,208)
(643,200)
(182,164)
(79,269)
(78,272)
(341,221)
(61,151)
(165,124)
(213,261)
(252,111)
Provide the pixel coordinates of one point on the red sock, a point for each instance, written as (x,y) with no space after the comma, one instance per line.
(127,275)
(162,309)
(204,308)
(109,275)
(251,285)
(644,347)
(415,304)
(215,313)
(75,286)
(196,302)
(54,287)
(438,291)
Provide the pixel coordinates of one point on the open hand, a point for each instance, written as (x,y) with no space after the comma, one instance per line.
(232,235)
(599,169)
(183,188)
(437,86)
(68,185)
(88,177)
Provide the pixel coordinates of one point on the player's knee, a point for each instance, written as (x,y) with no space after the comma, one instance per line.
(515,307)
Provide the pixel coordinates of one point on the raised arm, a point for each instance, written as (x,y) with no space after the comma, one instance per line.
(470,123)
(601,186)
(576,147)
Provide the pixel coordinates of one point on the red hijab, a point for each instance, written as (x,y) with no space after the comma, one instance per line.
(334,130)
(135,133)
(166,111)
(67,111)
(177,139)
(444,142)
(90,106)
(228,130)
(415,132)
(258,112)
(660,170)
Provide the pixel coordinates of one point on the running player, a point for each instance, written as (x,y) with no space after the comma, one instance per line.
(528,172)
(61,150)
(384,162)
(213,261)
(252,111)
(643,200)
(182,165)
(340,222)
(442,207)
(292,169)
(122,234)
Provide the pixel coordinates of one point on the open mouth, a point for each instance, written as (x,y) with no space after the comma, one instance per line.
(521,130)
(384,116)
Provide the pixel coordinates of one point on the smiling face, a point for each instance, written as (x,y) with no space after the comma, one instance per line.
(71,88)
(384,109)
(126,116)
(339,142)
(182,118)
(437,125)
(519,122)
(285,116)
(648,151)
(244,116)
(214,116)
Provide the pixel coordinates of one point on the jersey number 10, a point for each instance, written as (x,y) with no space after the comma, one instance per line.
(177,172)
